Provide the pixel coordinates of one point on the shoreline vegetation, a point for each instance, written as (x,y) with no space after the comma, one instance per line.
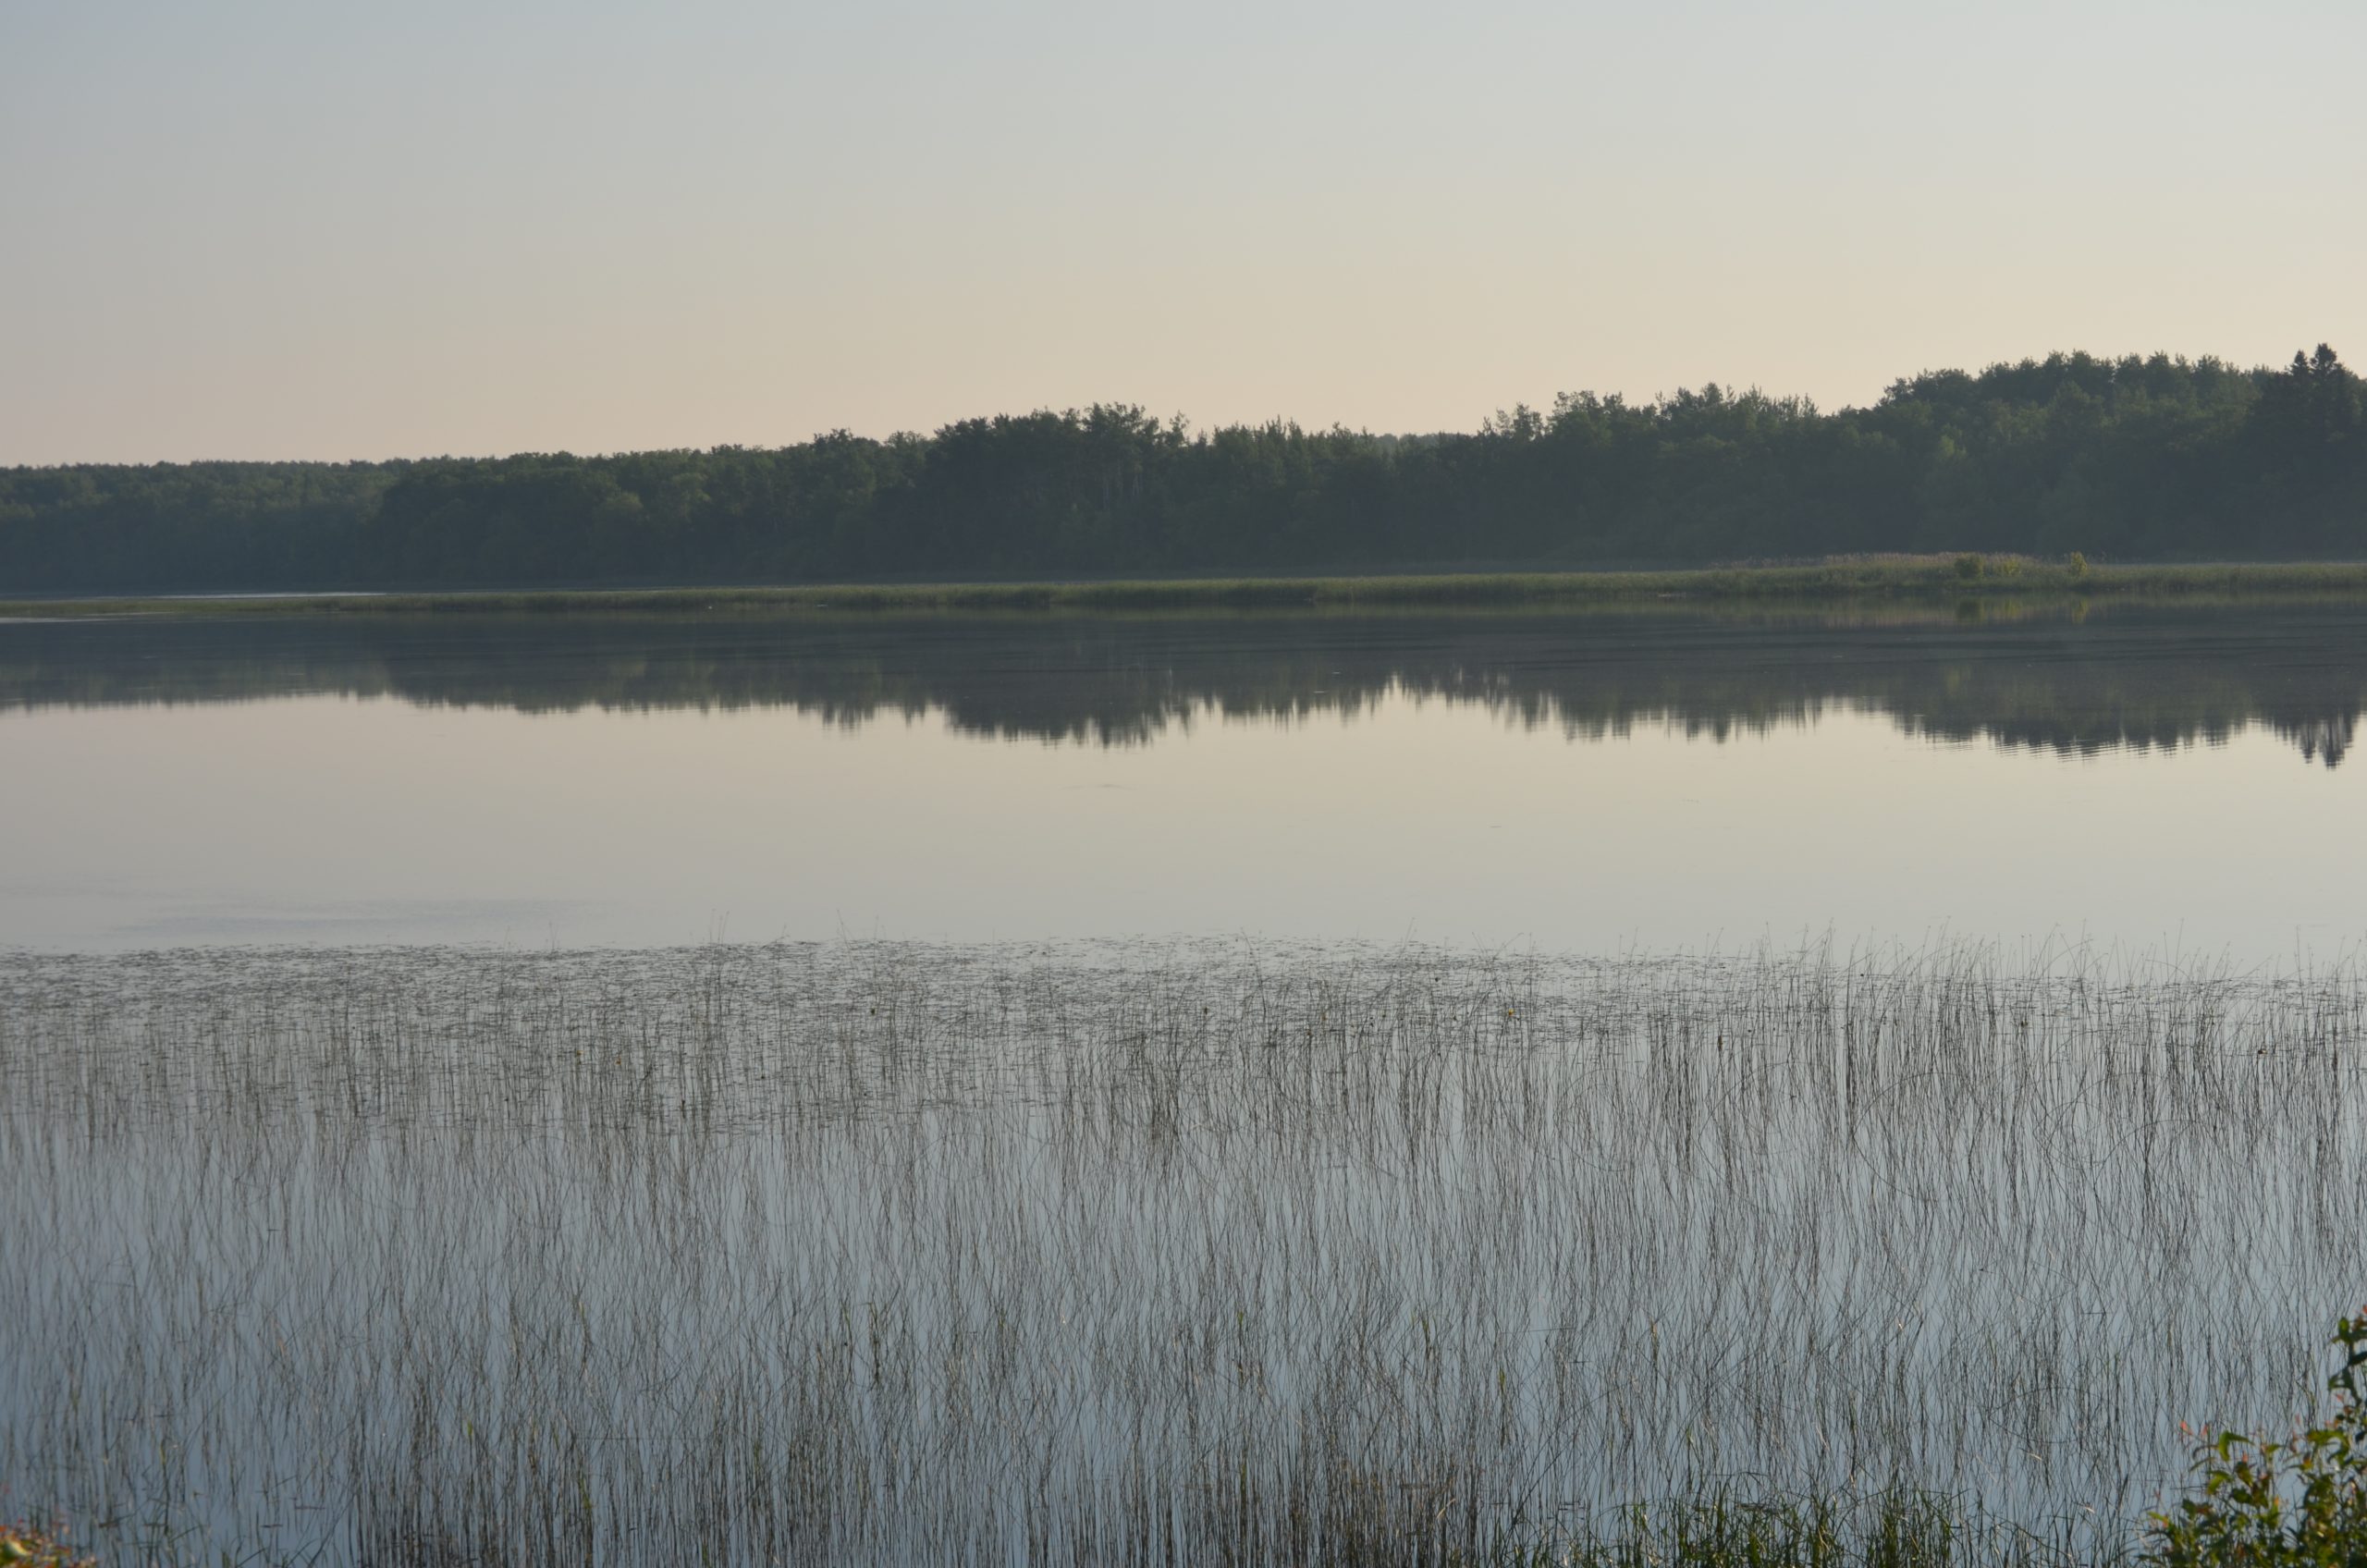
(2136,458)
(1934,579)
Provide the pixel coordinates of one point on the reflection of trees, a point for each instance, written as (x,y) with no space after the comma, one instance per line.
(2131,679)
(2326,739)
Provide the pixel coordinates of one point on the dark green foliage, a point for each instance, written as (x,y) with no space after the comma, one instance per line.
(2154,458)
(22,1546)
(186,525)
(2300,1503)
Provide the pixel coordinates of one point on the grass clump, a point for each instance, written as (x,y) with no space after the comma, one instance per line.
(1886,1529)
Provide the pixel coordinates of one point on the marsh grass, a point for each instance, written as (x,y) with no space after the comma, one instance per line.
(1191,1254)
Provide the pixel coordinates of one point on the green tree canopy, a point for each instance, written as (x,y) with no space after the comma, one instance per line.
(2135,458)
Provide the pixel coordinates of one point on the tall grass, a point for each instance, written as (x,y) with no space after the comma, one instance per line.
(1231,1253)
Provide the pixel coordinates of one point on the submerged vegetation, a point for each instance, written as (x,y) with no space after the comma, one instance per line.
(2065,459)
(1259,1255)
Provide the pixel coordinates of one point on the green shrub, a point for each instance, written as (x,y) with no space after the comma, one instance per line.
(2265,1504)
(1971,567)
(22,1546)
(2077,563)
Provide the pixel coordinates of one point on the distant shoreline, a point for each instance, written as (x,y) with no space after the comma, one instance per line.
(1924,579)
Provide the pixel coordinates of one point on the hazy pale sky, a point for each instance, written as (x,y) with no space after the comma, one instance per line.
(329,230)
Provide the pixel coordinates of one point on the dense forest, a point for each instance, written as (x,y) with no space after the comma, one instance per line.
(2132,459)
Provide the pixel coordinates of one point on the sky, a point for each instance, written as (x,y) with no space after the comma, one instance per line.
(338,231)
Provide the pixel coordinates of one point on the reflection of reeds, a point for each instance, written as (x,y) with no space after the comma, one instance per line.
(881,1252)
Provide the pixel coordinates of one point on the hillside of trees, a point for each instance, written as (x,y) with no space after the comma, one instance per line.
(2132,459)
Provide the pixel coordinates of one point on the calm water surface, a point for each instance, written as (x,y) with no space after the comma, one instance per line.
(2139,777)
(509,1238)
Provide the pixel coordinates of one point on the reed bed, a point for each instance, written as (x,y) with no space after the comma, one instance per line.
(1226,1254)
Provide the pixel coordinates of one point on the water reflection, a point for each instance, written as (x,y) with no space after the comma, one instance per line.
(2138,677)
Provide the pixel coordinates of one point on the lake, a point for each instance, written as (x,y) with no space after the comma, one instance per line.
(1263,1089)
(2135,776)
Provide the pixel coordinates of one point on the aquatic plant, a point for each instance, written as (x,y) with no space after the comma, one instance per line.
(1210,1253)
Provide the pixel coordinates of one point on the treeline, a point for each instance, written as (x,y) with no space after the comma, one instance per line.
(2136,458)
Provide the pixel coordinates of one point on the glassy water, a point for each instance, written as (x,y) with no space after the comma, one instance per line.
(2147,778)
(1181,1088)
